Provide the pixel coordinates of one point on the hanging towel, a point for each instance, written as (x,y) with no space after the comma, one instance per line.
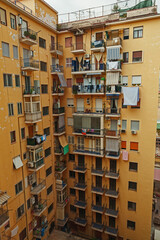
(131,95)
(125,155)
(112,65)
(83,131)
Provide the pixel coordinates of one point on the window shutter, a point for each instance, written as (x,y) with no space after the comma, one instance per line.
(123,144)
(134,146)
(137,54)
(136,79)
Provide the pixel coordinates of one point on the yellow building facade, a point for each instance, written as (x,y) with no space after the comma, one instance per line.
(78,121)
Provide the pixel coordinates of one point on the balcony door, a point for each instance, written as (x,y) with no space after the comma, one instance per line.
(98,163)
(52,43)
(80,105)
(99,105)
(98,181)
(79,42)
(27,84)
(112,203)
(112,184)
(81,161)
(113,166)
(112,222)
(99,218)
(81,196)
(82,213)
(114,125)
(26,57)
(114,105)
(24,27)
(81,178)
(80,143)
(98,200)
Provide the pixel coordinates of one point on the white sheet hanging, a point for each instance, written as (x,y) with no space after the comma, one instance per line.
(131,95)
(112,65)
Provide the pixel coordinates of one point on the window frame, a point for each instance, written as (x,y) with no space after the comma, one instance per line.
(6,80)
(15,58)
(11,137)
(23,135)
(131,187)
(5,17)
(133,169)
(126,35)
(125,57)
(138,31)
(40,42)
(19,85)
(19,108)
(10,109)
(18,187)
(45,112)
(130,227)
(135,148)
(3,50)
(11,14)
(68,62)
(135,61)
(43,66)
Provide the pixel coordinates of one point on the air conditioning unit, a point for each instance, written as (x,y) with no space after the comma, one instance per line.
(30,164)
(24,73)
(87,55)
(123,130)
(32,200)
(134,132)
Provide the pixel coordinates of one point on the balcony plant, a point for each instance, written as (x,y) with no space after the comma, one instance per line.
(26,34)
(33,37)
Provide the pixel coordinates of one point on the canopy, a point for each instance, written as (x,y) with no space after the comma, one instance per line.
(62,79)
(63,141)
(17,162)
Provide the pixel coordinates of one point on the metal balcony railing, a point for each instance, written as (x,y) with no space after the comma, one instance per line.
(97,226)
(97,171)
(60,168)
(58,110)
(94,151)
(113,66)
(58,89)
(38,188)
(98,208)
(80,185)
(80,168)
(114,42)
(36,140)
(112,193)
(115,89)
(3,216)
(111,212)
(88,89)
(98,189)
(56,47)
(29,34)
(89,67)
(89,131)
(59,130)
(40,231)
(32,107)
(97,44)
(29,63)
(113,111)
(80,204)
(111,230)
(61,184)
(112,133)
(35,165)
(58,149)
(78,46)
(39,207)
(57,68)
(88,110)
(112,173)
(31,90)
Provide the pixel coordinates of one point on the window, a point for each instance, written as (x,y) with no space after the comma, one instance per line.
(124,124)
(5,49)
(69,82)
(133,166)
(72,191)
(138,104)
(49,189)
(24,156)
(19,108)
(47,131)
(132,206)
(125,57)
(18,187)
(137,56)
(28,203)
(70,121)
(68,42)
(126,33)
(99,36)
(72,157)
(134,125)
(42,42)
(22,133)
(123,106)
(132,186)
(15,52)
(44,88)
(70,102)
(43,66)
(123,144)
(136,80)
(70,139)
(47,152)
(10,109)
(20,211)
(17,80)
(134,146)
(137,32)
(7,79)
(50,208)
(22,234)
(125,80)
(48,171)
(72,208)
(131,225)
(13,21)
(45,111)
(68,62)
(71,174)
(3,19)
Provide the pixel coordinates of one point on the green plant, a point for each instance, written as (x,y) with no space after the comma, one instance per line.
(33,36)
(115,8)
(26,34)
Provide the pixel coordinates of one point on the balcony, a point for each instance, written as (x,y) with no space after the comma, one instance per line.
(88,132)
(4,217)
(61,184)
(57,91)
(60,167)
(112,174)
(62,222)
(80,221)
(28,36)
(56,49)
(39,232)
(89,69)
(97,171)
(58,150)
(112,112)
(59,131)
(113,91)
(35,166)
(112,193)
(80,186)
(88,151)
(80,168)
(31,91)
(36,141)
(111,212)
(39,208)
(38,188)
(112,133)
(114,42)
(78,48)
(58,111)
(80,204)
(55,69)
(113,66)
(97,190)
(97,227)
(28,64)
(111,231)
(32,112)
(112,154)
(98,46)
(62,199)
(158,147)
(88,89)
(89,110)
(97,209)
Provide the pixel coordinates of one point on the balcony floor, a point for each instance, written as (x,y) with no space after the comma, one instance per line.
(80,204)
(98,209)
(97,190)
(112,193)
(111,212)
(81,222)
(97,227)
(3,219)
(111,231)
(39,188)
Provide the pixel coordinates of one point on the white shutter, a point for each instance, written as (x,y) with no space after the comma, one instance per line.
(98,105)
(70,102)
(70,121)
(80,105)
(86,122)
(124,124)
(114,125)
(136,80)
(125,80)
(134,125)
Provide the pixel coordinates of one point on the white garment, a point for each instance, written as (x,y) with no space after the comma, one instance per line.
(131,95)
(113,65)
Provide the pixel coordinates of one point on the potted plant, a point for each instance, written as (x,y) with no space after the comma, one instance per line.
(26,34)
(33,37)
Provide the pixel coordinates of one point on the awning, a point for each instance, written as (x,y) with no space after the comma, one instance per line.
(62,79)
(3,198)
(131,95)
(63,141)
(14,231)
(158,125)
(17,162)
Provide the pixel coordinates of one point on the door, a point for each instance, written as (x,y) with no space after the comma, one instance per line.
(81,178)
(99,218)
(98,200)
(112,184)
(80,143)
(24,27)
(98,181)
(112,203)
(81,196)
(112,222)
(52,43)
(82,213)
(114,104)
(27,84)
(99,105)
(80,160)
(79,42)
(26,57)
(91,145)
(98,145)
(80,105)
(113,166)
(36,86)
(98,163)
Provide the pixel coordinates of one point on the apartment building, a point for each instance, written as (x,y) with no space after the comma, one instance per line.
(78,105)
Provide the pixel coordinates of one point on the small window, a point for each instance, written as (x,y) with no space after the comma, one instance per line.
(23,133)
(137,32)
(125,57)
(138,104)
(7,80)
(28,203)
(48,171)
(132,206)
(20,211)
(72,208)
(134,125)
(47,152)
(99,36)
(136,80)
(50,208)
(126,33)
(72,157)
(22,234)
(131,225)
(68,62)
(70,102)
(71,174)
(72,191)
(5,49)
(137,56)
(13,136)
(132,186)
(123,106)
(70,121)
(69,82)
(133,166)
(49,189)
(17,80)
(24,156)
(47,131)
(44,88)
(71,140)
(68,42)
(18,187)
(43,66)
(3,19)
(13,21)
(10,109)
(42,42)
(45,111)
(124,124)
(123,144)
(125,80)
(15,52)
(19,108)
(134,146)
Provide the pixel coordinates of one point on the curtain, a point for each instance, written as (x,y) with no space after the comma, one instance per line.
(112,78)
(113,53)
(112,145)
(86,122)
(61,122)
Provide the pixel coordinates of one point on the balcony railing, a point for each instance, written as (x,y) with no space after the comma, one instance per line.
(80,221)
(112,111)
(80,168)
(57,90)
(113,155)
(57,48)
(98,208)
(111,212)
(80,185)
(97,226)
(89,68)
(111,231)
(89,131)
(88,89)
(87,150)
(39,232)
(59,130)
(30,64)
(39,208)
(59,110)
(98,189)
(113,66)
(112,193)
(28,36)
(80,204)
(39,187)
(61,184)
(113,89)
(88,110)
(112,174)
(36,140)
(57,68)
(112,133)
(78,47)
(60,168)
(58,150)
(97,44)
(35,165)
(62,222)
(31,90)
(114,42)
(4,217)
(97,171)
